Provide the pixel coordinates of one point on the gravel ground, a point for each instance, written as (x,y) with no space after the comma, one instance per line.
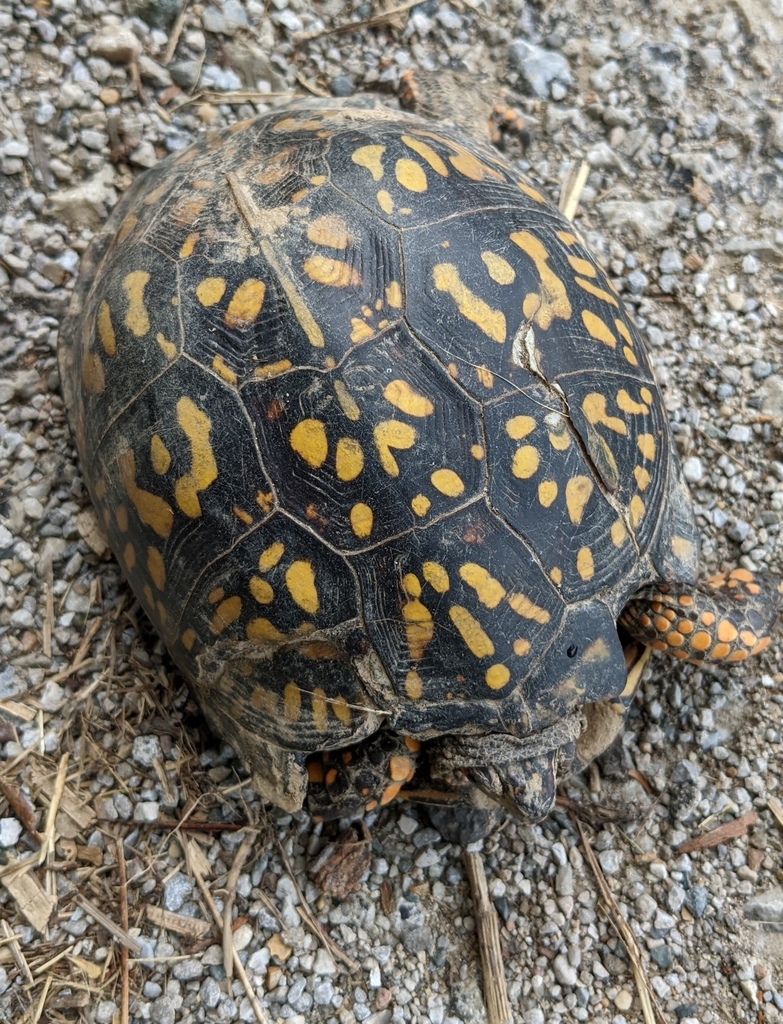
(676,107)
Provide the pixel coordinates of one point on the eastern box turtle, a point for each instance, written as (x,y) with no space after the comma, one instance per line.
(384,461)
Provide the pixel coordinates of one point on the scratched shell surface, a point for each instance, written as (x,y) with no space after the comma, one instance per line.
(370,432)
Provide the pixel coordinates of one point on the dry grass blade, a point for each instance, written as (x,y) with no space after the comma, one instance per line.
(650,1008)
(243,852)
(49,832)
(261,1017)
(776,808)
(572,190)
(731,830)
(191,927)
(114,929)
(312,921)
(176,32)
(382,18)
(487,931)
(125,979)
(16,952)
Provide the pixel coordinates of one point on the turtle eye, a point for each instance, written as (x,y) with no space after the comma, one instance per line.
(572,651)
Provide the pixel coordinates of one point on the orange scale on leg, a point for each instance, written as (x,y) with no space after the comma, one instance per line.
(720,652)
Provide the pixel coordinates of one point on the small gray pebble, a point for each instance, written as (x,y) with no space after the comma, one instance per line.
(693,469)
(670,262)
(342,86)
(704,222)
(739,432)
(210,993)
(663,956)
(696,900)
(176,891)
(739,530)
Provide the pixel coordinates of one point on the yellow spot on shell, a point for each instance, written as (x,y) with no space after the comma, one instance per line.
(488,590)
(592,289)
(547,492)
(385,201)
(497,676)
(485,377)
(622,330)
(594,408)
(261,631)
(347,402)
(630,356)
(93,376)
(300,580)
(168,348)
(129,556)
(646,444)
(436,576)
(106,329)
(292,702)
(410,175)
(403,397)
(152,510)
(681,547)
(618,532)
(369,157)
(419,627)
(319,706)
(360,331)
(411,584)
(341,710)
(216,595)
(477,451)
(361,520)
(471,632)
(393,294)
(427,153)
(245,304)
(210,291)
(598,328)
(270,556)
(491,322)
(528,609)
(227,611)
(318,179)
(567,237)
(521,647)
(447,482)
(525,462)
(642,477)
(188,638)
(334,273)
(137,318)
(203,468)
(421,504)
(581,266)
(330,229)
(261,590)
(556,575)
(577,494)
(552,297)
(308,440)
(390,434)
(121,515)
(156,567)
(188,245)
(519,427)
(584,563)
(498,269)
(636,510)
(413,685)
(221,367)
(626,404)
(348,459)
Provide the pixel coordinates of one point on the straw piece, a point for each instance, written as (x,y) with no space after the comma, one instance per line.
(488,934)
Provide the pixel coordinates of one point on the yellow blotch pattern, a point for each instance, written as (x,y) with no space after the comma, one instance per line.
(210,291)
(592,289)
(393,294)
(361,520)
(626,404)
(488,590)
(618,532)
(421,504)
(331,230)
(477,641)
(168,348)
(547,492)
(370,157)
(436,576)
(521,647)
(348,459)
(308,440)
(221,367)
(300,580)
(156,567)
(491,322)
(137,318)
(152,510)
(121,515)
(584,563)
(385,201)
(447,482)
(642,477)
(129,556)
(203,468)
(577,494)
(413,685)
(519,427)
(333,273)
(525,462)
(227,611)
(160,456)
(292,702)
(347,402)
(188,245)
(636,510)
(246,303)
(390,434)
(582,266)
(261,590)
(270,556)
(403,397)
(410,175)
(261,631)
(598,329)
(497,676)
(646,443)
(93,376)
(427,153)
(319,706)
(106,329)
(528,609)
(419,627)
(594,408)
(498,269)
(552,299)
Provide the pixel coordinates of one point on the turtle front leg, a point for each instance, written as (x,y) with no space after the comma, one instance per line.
(726,618)
(347,783)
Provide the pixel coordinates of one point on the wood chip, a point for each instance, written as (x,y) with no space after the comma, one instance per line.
(114,929)
(488,933)
(731,830)
(91,532)
(82,815)
(776,808)
(34,904)
(190,927)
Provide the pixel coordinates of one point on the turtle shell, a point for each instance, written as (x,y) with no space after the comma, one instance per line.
(371,435)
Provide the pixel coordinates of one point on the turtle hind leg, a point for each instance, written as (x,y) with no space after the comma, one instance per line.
(723,619)
(347,783)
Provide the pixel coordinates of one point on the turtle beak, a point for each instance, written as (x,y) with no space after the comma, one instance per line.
(526,789)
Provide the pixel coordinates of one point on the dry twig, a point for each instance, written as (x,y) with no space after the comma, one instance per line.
(243,852)
(123,878)
(731,830)
(487,931)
